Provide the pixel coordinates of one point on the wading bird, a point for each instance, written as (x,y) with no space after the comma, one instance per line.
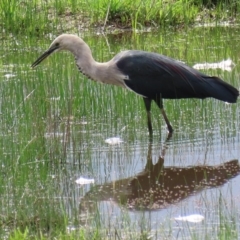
(151,75)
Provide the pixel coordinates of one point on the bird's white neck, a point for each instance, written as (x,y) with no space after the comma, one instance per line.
(100,72)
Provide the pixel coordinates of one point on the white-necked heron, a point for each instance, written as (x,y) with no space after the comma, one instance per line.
(151,75)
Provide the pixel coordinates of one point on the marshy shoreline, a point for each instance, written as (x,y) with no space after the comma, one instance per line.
(36,18)
(45,148)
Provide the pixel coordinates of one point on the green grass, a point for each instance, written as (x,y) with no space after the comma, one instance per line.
(226,229)
(38,16)
(55,98)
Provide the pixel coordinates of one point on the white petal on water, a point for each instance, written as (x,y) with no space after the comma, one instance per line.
(53,134)
(226,65)
(195,218)
(83,180)
(113,140)
(71,228)
(9,75)
(55,98)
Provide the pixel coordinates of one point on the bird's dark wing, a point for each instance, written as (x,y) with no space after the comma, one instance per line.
(153,75)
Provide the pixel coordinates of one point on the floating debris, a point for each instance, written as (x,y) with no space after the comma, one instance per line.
(195,218)
(71,228)
(83,180)
(53,134)
(54,98)
(226,65)
(213,24)
(113,140)
(9,75)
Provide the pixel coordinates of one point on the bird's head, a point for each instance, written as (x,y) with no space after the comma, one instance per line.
(62,42)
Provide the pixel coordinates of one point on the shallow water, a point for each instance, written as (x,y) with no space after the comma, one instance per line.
(54,123)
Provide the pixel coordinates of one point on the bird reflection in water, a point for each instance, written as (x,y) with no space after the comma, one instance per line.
(157,187)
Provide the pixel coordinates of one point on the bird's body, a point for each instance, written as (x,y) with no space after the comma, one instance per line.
(150,75)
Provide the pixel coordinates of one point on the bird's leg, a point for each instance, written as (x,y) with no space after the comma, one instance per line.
(165,145)
(160,105)
(147,102)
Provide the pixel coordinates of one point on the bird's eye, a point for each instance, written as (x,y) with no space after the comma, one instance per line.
(57,44)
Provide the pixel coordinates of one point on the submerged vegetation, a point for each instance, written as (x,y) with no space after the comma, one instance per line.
(38,16)
(45,148)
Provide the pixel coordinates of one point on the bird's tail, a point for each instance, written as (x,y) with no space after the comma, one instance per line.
(221,90)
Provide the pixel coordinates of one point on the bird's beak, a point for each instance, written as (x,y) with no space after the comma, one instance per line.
(44,55)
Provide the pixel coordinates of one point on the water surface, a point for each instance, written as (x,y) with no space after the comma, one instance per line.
(54,123)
